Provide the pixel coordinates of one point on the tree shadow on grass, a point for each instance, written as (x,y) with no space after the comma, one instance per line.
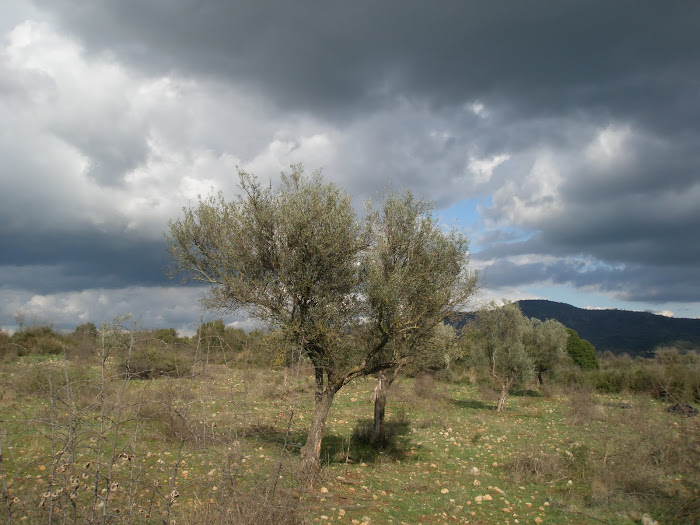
(357,448)
(526,392)
(360,447)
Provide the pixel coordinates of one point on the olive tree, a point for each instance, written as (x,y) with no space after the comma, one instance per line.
(345,291)
(546,343)
(498,346)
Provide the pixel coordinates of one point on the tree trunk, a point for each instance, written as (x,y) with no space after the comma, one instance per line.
(379,397)
(311,451)
(384,382)
(539,378)
(502,399)
(318,373)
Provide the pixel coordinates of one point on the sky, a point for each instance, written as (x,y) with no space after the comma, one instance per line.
(562,137)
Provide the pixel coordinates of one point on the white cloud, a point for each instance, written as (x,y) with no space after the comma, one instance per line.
(609,147)
(482,169)
(665,313)
(150,306)
(531,199)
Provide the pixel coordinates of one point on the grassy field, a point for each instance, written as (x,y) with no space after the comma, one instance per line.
(221,446)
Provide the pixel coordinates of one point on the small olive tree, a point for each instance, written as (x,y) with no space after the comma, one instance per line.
(498,346)
(546,343)
(354,296)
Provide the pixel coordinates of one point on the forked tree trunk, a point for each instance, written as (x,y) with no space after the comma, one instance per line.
(311,451)
(506,384)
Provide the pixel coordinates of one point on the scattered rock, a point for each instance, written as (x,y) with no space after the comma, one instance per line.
(683,409)
(648,520)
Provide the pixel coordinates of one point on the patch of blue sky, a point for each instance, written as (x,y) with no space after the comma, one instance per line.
(464,214)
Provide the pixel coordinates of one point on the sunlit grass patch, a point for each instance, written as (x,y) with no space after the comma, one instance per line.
(207,446)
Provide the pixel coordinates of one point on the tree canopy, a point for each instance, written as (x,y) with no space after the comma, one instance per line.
(355,295)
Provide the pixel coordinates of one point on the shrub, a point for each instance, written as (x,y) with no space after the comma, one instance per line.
(49,378)
(165,406)
(424,385)
(8,351)
(582,352)
(152,361)
(670,376)
(38,340)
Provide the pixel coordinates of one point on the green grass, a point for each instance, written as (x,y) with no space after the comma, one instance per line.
(223,436)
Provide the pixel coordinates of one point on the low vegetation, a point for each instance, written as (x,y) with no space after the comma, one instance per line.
(216,438)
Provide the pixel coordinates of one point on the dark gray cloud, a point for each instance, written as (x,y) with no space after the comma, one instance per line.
(576,123)
(536,58)
(83,259)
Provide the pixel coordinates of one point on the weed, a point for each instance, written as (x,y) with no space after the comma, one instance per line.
(424,385)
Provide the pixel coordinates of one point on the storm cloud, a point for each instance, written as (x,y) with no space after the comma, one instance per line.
(562,134)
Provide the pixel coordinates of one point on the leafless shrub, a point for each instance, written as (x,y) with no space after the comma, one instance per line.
(583,406)
(424,385)
(246,509)
(538,467)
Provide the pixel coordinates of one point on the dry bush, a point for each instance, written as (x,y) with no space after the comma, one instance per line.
(574,463)
(82,350)
(55,378)
(151,361)
(165,405)
(248,508)
(535,467)
(8,351)
(583,406)
(642,456)
(424,385)
(262,384)
(647,453)
(363,443)
(487,393)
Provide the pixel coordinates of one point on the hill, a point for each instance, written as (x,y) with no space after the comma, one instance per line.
(619,331)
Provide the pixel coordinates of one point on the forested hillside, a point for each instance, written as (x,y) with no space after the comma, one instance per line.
(619,331)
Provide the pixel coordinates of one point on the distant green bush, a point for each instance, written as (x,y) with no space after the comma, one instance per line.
(671,375)
(581,351)
(52,378)
(8,352)
(152,361)
(38,340)
(167,335)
